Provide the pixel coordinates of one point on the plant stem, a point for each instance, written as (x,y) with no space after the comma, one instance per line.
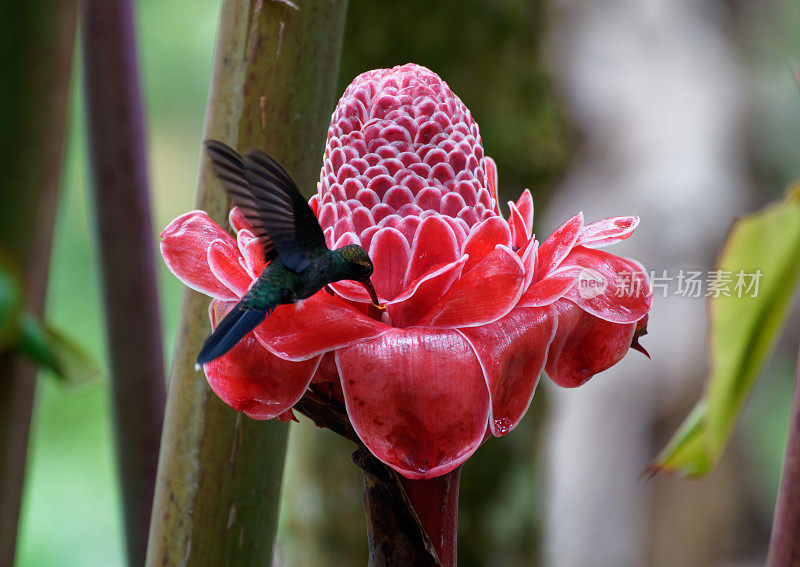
(395,532)
(36,47)
(784,543)
(119,171)
(272,87)
(436,502)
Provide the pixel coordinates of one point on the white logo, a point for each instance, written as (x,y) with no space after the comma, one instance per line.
(591,283)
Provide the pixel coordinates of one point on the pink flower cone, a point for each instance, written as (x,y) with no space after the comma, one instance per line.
(476,308)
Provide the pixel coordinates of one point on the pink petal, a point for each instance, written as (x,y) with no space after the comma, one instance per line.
(321,323)
(252,252)
(354,291)
(224,264)
(423,293)
(525,208)
(623,297)
(390,255)
(327,371)
(434,243)
(553,250)
(519,232)
(184,246)
(550,289)
(483,239)
(512,352)
(346,239)
(237,220)
(529,253)
(416,398)
(607,231)
(484,294)
(584,345)
(252,380)
(491,179)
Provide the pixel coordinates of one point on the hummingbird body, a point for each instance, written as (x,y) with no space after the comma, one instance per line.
(299,262)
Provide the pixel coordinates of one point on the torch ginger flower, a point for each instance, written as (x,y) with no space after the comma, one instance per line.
(475,307)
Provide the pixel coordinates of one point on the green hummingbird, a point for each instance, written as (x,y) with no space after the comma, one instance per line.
(299,262)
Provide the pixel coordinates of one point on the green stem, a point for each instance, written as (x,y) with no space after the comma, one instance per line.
(272,87)
(122,207)
(36,46)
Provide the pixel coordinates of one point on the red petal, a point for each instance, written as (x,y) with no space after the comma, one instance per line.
(550,289)
(354,291)
(519,232)
(434,243)
(321,323)
(525,208)
(529,253)
(390,255)
(607,231)
(252,252)
(491,178)
(389,252)
(238,221)
(623,295)
(252,380)
(584,345)
(553,250)
(416,398)
(224,264)
(512,352)
(481,295)
(184,246)
(483,239)
(420,297)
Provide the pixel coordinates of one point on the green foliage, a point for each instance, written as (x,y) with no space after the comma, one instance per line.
(742,331)
(21,332)
(56,352)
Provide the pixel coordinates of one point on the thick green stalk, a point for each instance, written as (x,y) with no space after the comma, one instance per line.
(122,208)
(36,46)
(272,87)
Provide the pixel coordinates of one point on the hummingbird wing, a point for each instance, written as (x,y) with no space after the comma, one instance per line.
(269,199)
(229,167)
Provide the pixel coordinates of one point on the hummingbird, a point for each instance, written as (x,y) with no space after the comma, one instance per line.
(299,263)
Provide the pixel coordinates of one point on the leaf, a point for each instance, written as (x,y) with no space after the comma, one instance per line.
(743,328)
(686,452)
(56,352)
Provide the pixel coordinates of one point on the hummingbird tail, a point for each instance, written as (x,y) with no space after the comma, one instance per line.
(233,327)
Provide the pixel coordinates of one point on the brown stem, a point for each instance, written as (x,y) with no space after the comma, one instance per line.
(219,474)
(35,63)
(395,533)
(784,543)
(119,171)
(436,503)
(401,513)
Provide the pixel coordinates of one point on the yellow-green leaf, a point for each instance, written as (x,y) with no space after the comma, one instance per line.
(56,352)
(687,452)
(762,250)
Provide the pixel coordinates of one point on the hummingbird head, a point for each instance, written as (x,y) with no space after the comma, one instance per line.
(359,268)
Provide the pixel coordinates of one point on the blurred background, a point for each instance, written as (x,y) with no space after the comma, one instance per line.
(683,112)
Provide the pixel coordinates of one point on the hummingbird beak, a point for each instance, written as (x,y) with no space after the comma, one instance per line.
(367,283)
